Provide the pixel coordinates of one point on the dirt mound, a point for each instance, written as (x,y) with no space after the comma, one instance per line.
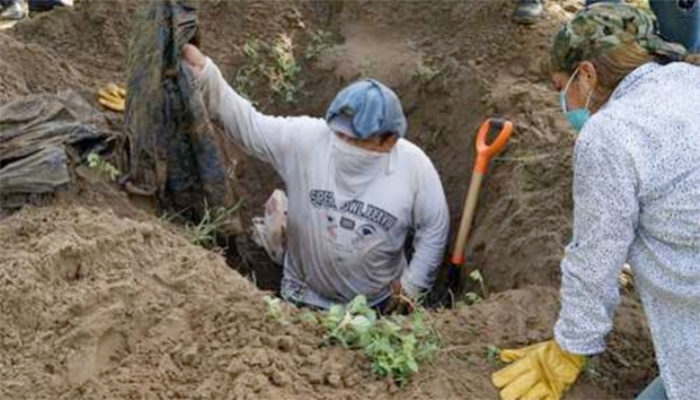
(474,65)
(85,47)
(98,306)
(24,69)
(94,305)
(92,39)
(520,317)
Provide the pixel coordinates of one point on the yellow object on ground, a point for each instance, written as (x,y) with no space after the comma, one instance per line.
(540,371)
(112,97)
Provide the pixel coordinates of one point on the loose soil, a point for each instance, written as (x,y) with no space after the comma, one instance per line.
(109,302)
(100,306)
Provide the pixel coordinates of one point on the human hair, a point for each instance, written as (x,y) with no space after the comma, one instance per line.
(386,136)
(614,65)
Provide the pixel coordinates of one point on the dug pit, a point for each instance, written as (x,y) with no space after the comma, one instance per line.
(110,302)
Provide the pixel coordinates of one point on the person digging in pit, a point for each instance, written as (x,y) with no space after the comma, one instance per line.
(355,188)
(636,101)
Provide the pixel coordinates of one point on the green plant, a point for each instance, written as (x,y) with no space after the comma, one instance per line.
(590,369)
(251,48)
(172,217)
(320,42)
(167,218)
(204,233)
(395,344)
(274,63)
(471,297)
(283,75)
(309,318)
(274,307)
(476,276)
(431,142)
(244,81)
(493,354)
(95,161)
(425,72)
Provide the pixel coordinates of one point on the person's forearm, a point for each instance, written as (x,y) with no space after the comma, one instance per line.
(427,257)
(214,90)
(432,224)
(586,312)
(606,212)
(263,137)
(418,278)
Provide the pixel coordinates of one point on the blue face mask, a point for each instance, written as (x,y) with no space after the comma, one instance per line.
(577,118)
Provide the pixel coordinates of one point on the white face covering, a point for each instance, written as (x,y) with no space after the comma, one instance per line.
(355,167)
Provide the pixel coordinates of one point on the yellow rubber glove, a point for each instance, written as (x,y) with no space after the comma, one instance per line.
(540,371)
(112,97)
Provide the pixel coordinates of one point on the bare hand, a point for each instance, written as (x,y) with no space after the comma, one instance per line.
(194,58)
(399,303)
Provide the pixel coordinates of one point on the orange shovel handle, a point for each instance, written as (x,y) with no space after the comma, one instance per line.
(484,151)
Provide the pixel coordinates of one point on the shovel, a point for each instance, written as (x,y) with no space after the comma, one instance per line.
(502,129)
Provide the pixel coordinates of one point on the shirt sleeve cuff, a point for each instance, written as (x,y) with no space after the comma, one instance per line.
(584,347)
(209,72)
(409,288)
(209,83)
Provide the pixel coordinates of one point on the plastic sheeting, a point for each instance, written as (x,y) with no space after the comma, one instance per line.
(174,148)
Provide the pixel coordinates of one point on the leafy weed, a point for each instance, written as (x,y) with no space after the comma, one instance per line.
(96,162)
(274,308)
(425,72)
(321,41)
(274,64)
(471,297)
(204,233)
(284,75)
(493,354)
(395,344)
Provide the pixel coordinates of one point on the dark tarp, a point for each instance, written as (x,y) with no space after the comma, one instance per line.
(38,133)
(173,147)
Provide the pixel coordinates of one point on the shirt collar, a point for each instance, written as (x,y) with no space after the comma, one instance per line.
(633,79)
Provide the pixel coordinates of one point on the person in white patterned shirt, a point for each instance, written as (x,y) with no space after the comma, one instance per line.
(635,99)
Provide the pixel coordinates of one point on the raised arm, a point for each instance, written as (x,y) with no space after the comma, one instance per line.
(270,139)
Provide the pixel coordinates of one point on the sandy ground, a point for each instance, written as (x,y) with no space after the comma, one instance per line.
(108,302)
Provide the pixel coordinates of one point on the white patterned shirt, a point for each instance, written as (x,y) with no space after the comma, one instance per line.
(637,200)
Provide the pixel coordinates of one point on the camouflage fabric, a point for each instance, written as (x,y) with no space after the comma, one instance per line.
(603,27)
(174,150)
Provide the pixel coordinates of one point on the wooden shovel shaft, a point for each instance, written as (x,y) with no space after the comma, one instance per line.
(467,217)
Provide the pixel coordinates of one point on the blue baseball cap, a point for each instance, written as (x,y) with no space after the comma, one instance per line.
(366,108)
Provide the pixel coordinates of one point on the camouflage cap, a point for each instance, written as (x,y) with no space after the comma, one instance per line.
(605,26)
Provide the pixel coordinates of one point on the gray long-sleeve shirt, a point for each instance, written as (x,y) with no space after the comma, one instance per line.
(637,200)
(347,224)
